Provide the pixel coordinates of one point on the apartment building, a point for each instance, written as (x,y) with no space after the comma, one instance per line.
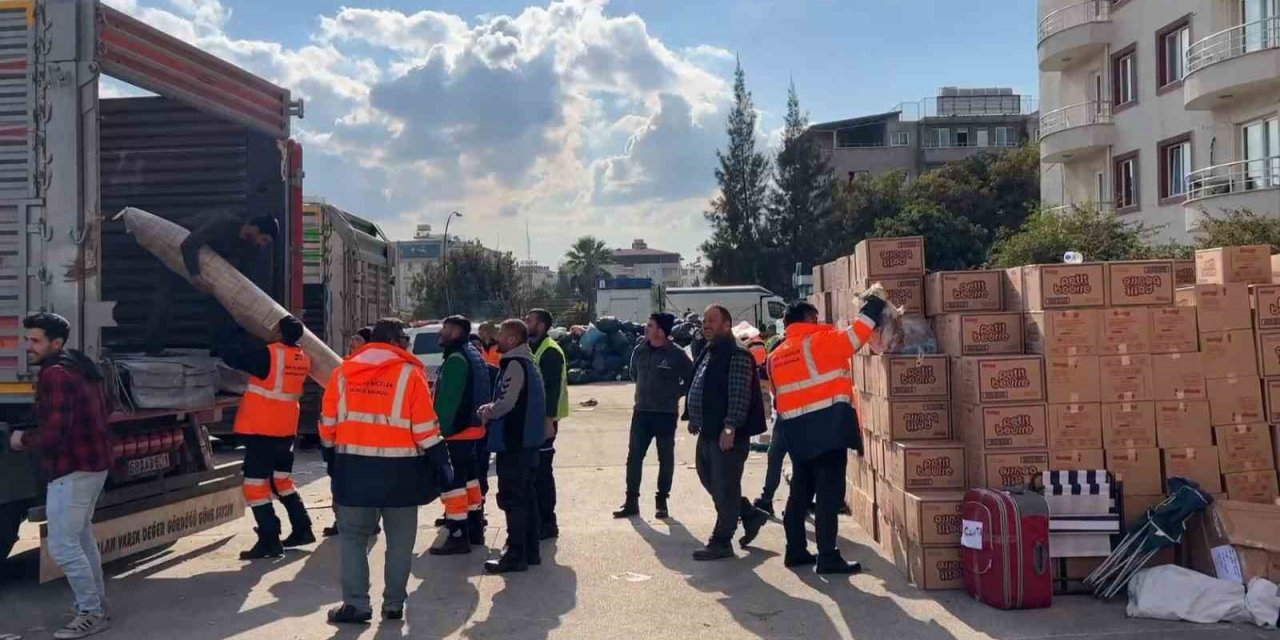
(641,261)
(1161,109)
(920,136)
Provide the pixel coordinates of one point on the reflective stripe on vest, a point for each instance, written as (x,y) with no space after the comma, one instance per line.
(381,435)
(803,384)
(269,406)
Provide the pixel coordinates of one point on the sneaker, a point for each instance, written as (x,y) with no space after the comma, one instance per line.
(347,614)
(751,525)
(299,538)
(84,625)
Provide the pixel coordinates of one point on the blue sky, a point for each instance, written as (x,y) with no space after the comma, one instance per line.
(579,116)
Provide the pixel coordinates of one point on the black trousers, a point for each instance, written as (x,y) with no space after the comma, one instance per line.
(545,482)
(647,426)
(822,476)
(482,464)
(773,473)
(517,500)
(721,475)
(268,463)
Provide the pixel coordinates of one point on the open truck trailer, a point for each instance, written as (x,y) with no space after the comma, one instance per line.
(214,138)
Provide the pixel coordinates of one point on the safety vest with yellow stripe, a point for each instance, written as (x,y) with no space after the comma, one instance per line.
(270,406)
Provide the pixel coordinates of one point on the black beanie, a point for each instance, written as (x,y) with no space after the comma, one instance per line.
(666,322)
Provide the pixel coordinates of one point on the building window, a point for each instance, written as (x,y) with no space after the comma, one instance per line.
(940,138)
(901,139)
(962,138)
(1126,182)
(1175,164)
(1124,75)
(1006,137)
(1172,43)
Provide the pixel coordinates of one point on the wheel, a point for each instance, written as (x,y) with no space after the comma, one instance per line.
(11,517)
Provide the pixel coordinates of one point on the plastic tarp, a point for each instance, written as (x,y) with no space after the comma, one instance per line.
(187,381)
(1173,593)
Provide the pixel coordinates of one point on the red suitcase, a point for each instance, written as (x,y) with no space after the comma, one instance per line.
(1005,549)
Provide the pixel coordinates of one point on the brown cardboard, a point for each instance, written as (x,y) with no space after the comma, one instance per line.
(909,376)
(1249,264)
(1143,282)
(1077,460)
(1125,330)
(1127,378)
(1129,425)
(1183,424)
(890,500)
(957,291)
(926,465)
(1178,376)
(1184,273)
(1135,507)
(863,508)
(1228,353)
(1199,464)
(999,379)
(841,278)
(935,568)
(1218,307)
(1138,469)
(905,293)
(1004,426)
(932,518)
(978,334)
(1014,289)
(1252,486)
(1174,330)
(1271,399)
(913,419)
(1268,343)
(1235,401)
(1072,379)
(1266,306)
(818,285)
(999,469)
(1064,332)
(1275,268)
(1077,426)
(1064,286)
(1245,447)
(1251,530)
(888,257)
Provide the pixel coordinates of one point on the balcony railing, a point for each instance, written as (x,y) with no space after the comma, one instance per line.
(1234,177)
(1074,16)
(1104,207)
(1076,115)
(1233,43)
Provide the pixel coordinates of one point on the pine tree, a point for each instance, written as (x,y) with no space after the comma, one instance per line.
(736,214)
(800,202)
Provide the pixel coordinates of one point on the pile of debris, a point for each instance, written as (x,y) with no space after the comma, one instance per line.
(599,352)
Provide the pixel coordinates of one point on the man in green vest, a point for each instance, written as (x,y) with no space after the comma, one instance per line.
(550,359)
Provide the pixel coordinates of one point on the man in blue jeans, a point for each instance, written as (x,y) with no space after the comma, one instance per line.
(75,449)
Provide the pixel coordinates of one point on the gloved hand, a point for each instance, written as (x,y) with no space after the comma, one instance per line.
(873,307)
(438,457)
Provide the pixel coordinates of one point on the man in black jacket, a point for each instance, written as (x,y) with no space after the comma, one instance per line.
(725,409)
(662,371)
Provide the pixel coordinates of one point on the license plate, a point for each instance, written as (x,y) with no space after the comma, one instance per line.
(149,464)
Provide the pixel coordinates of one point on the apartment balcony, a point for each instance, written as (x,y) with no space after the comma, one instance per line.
(1237,62)
(1246,184)
(1074,33)
(1075,131)
(1104,207)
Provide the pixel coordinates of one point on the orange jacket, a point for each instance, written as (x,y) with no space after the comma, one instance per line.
(270,406)
(491,355)
(377,404)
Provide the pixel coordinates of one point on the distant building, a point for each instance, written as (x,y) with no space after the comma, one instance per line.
(694,274)
(640,261)
(921,136)
(536,275)
(413,255)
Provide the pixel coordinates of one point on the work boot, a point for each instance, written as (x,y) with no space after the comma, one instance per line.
(455,543)
(347,614)
(715,550)
(510,562)
(299,538)
(268,546)
(799,558)
(661,512)
(628,509)
(752,522)
(835,564)
(765,506)
(475,528)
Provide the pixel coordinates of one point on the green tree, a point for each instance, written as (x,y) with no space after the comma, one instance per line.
(585,265)
(799,203)
(859,203)
(951,242)
(1238,227)
(481,284)
(735,214)
(1097,235)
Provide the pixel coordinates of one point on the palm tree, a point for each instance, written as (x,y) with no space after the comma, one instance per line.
(585,263)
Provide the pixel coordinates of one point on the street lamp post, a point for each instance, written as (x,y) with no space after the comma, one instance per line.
(444,262)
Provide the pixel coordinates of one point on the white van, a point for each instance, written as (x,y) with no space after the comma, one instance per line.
(424,342)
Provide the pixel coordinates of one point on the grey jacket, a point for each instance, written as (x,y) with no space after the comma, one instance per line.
(662,376)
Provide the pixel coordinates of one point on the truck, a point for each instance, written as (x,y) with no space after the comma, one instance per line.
(211,138)
(628,299)
(752,303)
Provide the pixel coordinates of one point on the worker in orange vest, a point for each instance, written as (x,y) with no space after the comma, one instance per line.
(816,424)
(488,333)
(267,424)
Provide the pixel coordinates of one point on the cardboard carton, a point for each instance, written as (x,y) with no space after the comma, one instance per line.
(1004,426)
(1234,541)
(1129,425)
(957,291)
(1077,460)
(1014,289)
(1218,307)
(1275,268)
(1252,486)
(1072,379)
(1174,330)
(818,284)
(1135,507)
(1271,398)
(1245,447)
(978,334)
(926,465)
(1199,464)
(1184,273)
(1143,282)
(1228,353)
(909,376)
(863,509)
(1064,286)
(888,257)
(935,568)
(1065,332)
(1077,426)
(912,419)
(1249,264)
(1268,353)
(1126,330)
(999,469)
(1266,306)
(1178,376)
(906,293)
(999,379)
(1126,378)
(932,518)
(890,499)
(1182,423)
(1235,401)
(1138,469)
(841,278)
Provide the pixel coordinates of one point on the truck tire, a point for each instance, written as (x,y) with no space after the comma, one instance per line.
(11,517)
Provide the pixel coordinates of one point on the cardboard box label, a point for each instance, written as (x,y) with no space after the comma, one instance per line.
(1138,469)
(916,377)
(1147,282)
(1234,401)
(1269,353)
(1245,447)
(921,420)
(885,257)
(1064,286)
(1077,460)
(956,291)
(921,465)
(1228,353)
(1126,378)
(1199,464)
(906,293)
(1219,307)
(1126,330)
(1184,272)
(998,379)
(1077,426)
(1183,424)
(1174,330)
(1004,469)
(1009,427)
(1252,486)
(1271,391)
(979,334)
(1072,379)
(1249,264)
(933,518)
(1179,376)
(1066,332)
(1129,425)
(1266,306)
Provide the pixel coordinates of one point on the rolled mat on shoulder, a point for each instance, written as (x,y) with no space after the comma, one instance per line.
(250,306)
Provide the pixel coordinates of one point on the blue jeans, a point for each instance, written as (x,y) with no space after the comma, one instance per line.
(355,530)
(69,507)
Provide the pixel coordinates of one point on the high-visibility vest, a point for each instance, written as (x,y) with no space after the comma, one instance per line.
(270,406)
(758,351)
(379,406)
(810,370)
(562,409)
(491,355)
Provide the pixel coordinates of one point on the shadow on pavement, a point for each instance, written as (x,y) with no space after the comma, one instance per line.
(530,604)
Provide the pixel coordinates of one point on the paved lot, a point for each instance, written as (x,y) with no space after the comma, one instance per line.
(602,579)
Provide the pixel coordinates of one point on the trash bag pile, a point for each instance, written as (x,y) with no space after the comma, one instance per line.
(599,352)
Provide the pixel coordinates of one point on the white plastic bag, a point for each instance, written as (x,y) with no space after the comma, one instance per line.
(1173,593)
